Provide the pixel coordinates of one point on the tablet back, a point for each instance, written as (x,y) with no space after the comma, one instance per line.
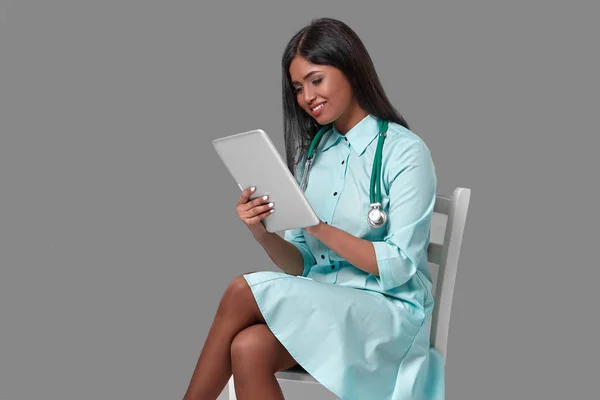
(253,160)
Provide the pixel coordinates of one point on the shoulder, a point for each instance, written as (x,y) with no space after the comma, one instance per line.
(403,149)
(401,143)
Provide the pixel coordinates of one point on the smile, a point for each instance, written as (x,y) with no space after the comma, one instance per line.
(317,107)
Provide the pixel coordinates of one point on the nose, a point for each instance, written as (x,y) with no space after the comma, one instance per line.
(309,96)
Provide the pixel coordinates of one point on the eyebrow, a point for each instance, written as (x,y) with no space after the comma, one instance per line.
(307,76)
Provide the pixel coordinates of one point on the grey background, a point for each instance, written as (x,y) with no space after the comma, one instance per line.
(117,220)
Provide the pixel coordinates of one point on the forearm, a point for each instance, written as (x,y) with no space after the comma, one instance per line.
(284,254)
(356,251)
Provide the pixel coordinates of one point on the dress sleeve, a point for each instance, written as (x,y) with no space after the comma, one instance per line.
(296,237)
(412,195)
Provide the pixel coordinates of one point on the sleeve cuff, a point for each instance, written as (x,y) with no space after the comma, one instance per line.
(307,256)
(395,267)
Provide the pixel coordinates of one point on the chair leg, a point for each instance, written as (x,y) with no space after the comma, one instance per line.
(231,389)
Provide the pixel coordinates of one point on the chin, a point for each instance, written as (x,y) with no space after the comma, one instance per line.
(324,120)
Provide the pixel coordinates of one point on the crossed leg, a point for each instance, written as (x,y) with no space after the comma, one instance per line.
(256,356)
(239,342)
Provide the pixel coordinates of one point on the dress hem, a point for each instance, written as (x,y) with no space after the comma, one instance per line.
(287,346)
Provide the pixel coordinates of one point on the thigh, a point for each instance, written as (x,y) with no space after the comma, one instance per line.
(257,347)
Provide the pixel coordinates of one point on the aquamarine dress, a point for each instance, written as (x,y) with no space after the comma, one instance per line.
(362,336)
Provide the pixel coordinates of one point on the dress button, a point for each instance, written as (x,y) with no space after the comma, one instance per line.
(335,193)
(342,162)
(346,139)
(322,256)
(333,267)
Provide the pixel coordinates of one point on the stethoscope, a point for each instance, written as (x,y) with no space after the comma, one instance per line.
(376,216)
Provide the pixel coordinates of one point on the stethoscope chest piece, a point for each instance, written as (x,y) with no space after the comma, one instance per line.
(376,216)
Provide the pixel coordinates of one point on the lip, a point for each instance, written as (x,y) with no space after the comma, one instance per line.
(317,112)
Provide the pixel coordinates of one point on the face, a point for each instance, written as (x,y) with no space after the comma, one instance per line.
(321,90)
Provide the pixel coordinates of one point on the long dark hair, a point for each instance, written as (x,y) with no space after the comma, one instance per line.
(327,41)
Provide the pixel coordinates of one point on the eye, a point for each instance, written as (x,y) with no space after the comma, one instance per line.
(314,82)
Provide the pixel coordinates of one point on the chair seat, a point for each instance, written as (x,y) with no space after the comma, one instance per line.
(296,373)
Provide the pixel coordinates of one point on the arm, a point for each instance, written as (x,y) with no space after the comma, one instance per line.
(356,251)
(287,256)
(291,253)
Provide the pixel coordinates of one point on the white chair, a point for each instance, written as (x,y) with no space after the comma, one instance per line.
(447,229)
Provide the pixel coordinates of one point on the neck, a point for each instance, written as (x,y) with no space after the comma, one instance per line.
(352,116)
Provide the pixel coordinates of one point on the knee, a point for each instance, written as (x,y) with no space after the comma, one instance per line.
(251,349)
(238,287)
(237,292)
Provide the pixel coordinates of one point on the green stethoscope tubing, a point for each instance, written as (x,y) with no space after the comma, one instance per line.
(376,216)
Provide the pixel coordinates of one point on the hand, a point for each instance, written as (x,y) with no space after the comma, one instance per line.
(252,212)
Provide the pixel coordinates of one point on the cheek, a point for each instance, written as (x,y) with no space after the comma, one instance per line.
(340,92)
(345,95)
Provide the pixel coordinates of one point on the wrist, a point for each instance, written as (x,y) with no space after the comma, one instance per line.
(315,229)
(260,235)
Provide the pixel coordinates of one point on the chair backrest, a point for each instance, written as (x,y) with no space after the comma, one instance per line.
(445,253)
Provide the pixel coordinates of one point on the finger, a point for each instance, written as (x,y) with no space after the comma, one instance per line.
(246,195)
(254,215)
(254,211)
(259,201)
(261,216)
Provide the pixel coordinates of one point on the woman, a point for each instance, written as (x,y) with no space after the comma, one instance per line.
(353,302)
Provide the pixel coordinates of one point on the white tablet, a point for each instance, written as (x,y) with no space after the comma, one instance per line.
(253,160)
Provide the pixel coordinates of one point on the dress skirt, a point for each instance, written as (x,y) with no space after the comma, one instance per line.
(359,344)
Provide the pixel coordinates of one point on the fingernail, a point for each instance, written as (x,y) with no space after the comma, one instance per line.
(265,197)
(253,188)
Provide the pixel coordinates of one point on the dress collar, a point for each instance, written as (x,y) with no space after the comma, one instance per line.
(359,137)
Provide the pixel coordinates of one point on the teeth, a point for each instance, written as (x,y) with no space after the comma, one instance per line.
(317,107)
